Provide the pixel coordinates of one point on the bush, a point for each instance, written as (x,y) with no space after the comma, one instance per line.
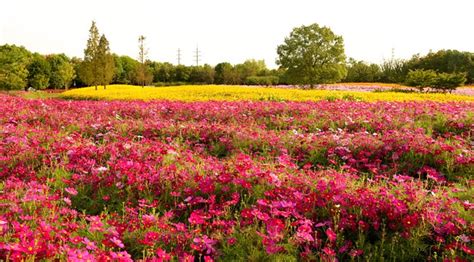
(261,80)
(421,78)
(439,81)
(448,82)
(359,71)
(161,84)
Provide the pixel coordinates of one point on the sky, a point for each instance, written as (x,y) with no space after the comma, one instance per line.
(233,31)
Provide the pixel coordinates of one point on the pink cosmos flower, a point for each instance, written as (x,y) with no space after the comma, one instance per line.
(331,235)
(78,255)
(3,226)
(275,228)
(122,256)
(197,218)
(89,244)
(67,201)
(205,244)
(117,242)
(162,255)
(304,233)
(70,190)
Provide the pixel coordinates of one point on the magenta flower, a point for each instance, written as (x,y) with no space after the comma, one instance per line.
(197,217)
(70,190)
(89,244)
(117,242)
(331,235)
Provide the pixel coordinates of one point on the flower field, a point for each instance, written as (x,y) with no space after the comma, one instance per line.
(236,93)
(236,180)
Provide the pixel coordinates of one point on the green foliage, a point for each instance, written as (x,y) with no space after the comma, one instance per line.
(359,71)
(251,67)
(38,72)
(446,61)
(89,67)
(261,80)
(144,73)
(62,71)
(118,68)
(106,62)
(129,70)
(448,82)
(313,55)
(162,72)
(394,71)
(440,81)
(202,74)
(181,73)
(76,64)
(421,78)
(14,61)
(98,67)
(225,74)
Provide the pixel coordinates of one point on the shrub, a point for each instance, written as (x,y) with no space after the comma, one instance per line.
(448,82)
(261,80)
(421,78)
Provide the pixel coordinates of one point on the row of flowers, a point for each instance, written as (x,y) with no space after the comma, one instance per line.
(237,93)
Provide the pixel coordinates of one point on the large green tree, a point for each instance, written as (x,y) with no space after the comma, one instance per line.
(62,71)
(251,67)
(14,63)
(129,70)
(225,74)
(163,72)
(38,72)
(312,55)
(359,71)
(202,74)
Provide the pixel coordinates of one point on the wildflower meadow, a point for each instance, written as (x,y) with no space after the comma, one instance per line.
(236,180)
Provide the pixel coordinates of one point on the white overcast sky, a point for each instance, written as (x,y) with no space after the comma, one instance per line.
(234,31)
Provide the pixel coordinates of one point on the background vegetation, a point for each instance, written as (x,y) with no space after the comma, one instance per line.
(310,55)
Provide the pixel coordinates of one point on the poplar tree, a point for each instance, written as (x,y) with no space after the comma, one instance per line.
(90,66)
(143,75)
(98,66)
(106,63)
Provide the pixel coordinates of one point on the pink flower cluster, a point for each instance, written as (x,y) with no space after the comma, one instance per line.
(205,181)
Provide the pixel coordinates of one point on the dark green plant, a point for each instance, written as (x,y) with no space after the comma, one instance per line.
(421,79)
(447,82)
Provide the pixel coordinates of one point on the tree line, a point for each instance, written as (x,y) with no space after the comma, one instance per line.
(310,55)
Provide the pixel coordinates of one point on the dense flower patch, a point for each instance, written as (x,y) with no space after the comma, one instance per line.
(245,181)
(238,93)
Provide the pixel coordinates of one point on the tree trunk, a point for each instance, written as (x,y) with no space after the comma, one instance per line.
(96,87)
(105,87)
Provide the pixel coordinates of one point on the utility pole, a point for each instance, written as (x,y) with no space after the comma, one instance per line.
(197,55)
(393,53)
(179,56)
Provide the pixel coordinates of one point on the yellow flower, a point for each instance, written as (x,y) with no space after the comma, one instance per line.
(233,93)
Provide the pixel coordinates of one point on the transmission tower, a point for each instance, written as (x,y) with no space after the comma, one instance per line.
(197,55)
(179,56)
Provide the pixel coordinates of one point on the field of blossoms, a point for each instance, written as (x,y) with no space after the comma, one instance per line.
(237,93)
(329,180)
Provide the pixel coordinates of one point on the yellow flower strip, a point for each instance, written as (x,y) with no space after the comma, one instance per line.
(234,93)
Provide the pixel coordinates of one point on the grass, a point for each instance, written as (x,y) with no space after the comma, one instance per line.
(34,95)
(235,93)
